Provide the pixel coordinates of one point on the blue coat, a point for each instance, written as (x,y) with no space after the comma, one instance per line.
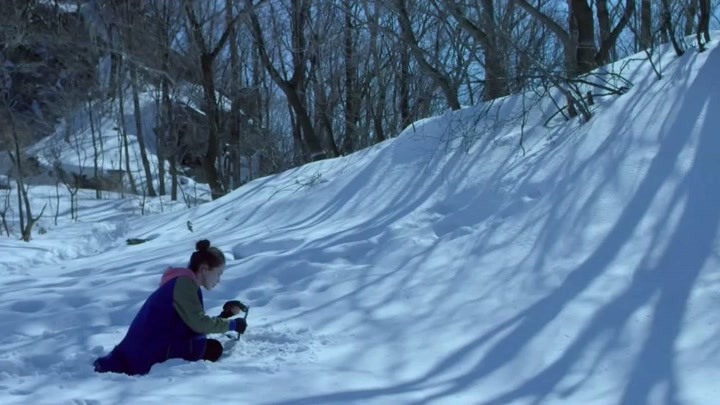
(161,330)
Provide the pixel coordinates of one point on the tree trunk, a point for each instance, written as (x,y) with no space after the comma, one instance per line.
(324,119)
(27,231)
(115,59)
(602,56)
(583,27)
(294,87)
(21,211)
(703,31)
(378,112)
(258,80)
(299,147)
(139,132)
(98,192)
(324,105)
(300,13)
(438,77)
(568,41)
(170,135)
(349,144)
(26,219)
(101,142)
(690,12)
(668,29)
(496,84)
(235,80)
(17,161)
(4,212)
(207,60)
(167,149)
(210,158)
(646,25)
(160,142)
(570,53)
(123,130)
(376,105)
(496,76)
(120,136)
(604,24)
(404,91)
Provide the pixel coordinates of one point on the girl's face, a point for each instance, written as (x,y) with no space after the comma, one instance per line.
(210,276)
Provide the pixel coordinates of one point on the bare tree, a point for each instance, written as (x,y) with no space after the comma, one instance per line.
(96,111)
(139,132)
(690,12)
(398,89)
(6,207)
(16,142)
(349,73)
(645,25)
(208,54)
(703,30)
(581,53)
(441,79)
(353,95)
(483,31)
(404,87)
(380,82)
(604,22)
(74,178)
(130,14)
(163,19)
(16,130)
(295,86)
(122,130)
(667,28)
(235,80)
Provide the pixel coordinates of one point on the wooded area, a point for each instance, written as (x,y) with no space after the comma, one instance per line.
(295,81)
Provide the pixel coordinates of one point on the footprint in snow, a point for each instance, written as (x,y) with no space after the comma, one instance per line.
(77,301)
(533,193)
(28,306)
(288,303)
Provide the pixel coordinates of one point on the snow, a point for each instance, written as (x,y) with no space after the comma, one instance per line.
(442,266)
(75,154)
(67,7)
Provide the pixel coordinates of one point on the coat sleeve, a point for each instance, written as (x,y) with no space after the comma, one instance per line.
(188,306)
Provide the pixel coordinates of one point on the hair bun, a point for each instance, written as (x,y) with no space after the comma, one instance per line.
(203,245)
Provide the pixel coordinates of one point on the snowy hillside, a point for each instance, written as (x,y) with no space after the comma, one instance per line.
(443,266)
(101,132)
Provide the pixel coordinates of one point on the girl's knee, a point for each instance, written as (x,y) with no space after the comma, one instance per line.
(213,350)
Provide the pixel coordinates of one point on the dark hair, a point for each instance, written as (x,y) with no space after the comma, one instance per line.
(204,254)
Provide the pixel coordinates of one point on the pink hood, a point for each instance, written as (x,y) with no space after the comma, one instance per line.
(172,273)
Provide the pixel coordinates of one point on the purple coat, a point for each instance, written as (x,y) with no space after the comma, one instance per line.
(162,328)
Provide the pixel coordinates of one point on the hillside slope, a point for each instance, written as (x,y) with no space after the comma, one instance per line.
(443,266)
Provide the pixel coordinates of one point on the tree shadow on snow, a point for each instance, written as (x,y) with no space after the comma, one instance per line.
(670,279)
(664,284)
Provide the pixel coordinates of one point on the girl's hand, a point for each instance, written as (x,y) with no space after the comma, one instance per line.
(232,308)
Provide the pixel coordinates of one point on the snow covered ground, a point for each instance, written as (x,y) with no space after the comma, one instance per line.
(442,266)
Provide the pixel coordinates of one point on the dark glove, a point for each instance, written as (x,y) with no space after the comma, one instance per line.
(240,325)
(232,308)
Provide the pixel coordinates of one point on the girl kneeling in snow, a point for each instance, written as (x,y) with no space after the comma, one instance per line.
(172,322)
